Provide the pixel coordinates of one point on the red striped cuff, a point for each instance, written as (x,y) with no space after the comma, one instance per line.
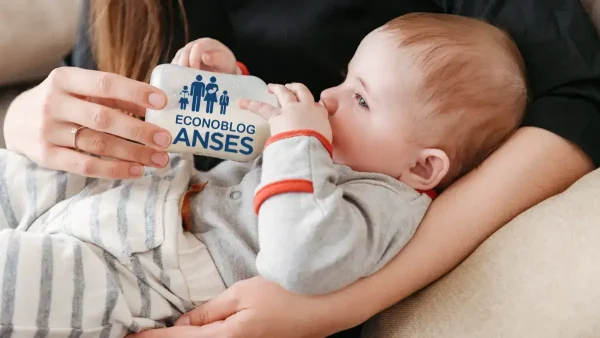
(243,68)
(281,187)
(302,132)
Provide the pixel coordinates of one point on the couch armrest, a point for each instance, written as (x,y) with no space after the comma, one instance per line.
(34,36)
(538,276)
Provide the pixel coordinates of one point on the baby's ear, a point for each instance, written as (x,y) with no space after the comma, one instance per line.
(431,167)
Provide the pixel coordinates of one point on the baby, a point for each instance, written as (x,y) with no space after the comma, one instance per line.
(337,193)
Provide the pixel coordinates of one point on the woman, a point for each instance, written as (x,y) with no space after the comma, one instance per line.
(310,41)
(211,94)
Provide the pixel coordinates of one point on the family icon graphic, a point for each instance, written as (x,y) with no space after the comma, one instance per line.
(207,92)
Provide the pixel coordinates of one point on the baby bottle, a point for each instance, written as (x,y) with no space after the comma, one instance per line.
(202,113)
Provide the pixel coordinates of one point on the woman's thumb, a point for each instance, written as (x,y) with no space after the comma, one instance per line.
(217,309)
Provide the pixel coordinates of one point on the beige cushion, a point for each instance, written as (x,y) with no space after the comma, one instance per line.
(34,36)
(538,276)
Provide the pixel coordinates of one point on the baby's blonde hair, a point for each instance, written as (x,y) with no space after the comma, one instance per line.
(473,90)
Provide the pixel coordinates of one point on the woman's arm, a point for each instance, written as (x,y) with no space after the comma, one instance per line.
(532,166)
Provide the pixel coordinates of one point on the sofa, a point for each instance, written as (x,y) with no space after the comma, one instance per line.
(538,276)
(34,37)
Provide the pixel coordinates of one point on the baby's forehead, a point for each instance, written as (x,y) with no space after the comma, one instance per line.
(379,58)
(378,41)
(380,49)
(420,47)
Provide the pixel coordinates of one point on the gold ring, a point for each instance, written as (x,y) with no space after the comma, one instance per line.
(75,132)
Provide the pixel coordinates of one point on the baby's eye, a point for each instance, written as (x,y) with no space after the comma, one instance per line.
(361,101)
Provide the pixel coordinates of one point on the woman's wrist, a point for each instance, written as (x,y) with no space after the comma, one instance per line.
(13,112)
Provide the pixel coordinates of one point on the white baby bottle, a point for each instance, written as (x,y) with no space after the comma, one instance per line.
(202,113)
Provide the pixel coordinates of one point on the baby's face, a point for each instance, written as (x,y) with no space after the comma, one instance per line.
(373,111)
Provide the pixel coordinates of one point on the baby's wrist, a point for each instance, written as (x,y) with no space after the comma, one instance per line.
(281,125)
(241,68)
(308,132)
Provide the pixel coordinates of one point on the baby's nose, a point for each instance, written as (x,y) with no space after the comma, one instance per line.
(330,104)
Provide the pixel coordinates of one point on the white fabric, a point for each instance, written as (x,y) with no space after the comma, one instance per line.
(87,258)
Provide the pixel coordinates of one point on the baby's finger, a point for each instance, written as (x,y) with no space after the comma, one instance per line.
(184,57)
(219,61)
(196,53)
(265,110)
(201,47)
(214,59)
(302,93)
(284,95)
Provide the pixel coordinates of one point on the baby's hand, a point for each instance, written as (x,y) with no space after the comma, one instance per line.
(207,54)
(298,110)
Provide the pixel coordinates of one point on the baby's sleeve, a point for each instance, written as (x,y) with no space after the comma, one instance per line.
(318,235)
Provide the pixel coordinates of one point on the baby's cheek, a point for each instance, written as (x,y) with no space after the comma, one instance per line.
(337,141)
(346,142)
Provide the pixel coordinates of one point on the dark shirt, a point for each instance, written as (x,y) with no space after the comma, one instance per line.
(312,41)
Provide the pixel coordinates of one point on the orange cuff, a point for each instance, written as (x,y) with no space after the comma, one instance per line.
(281,187)
(302,132)
(431,193)
(243,68)
(186,209)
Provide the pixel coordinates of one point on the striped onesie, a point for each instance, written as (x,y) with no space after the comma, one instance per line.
(85,257)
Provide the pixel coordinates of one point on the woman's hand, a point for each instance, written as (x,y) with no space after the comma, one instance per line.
(252,308)
(40,124)
(207,54)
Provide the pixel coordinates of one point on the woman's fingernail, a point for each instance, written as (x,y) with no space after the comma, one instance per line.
(156,100)
(160,159)
(162,139)
(136,170)
(183,321)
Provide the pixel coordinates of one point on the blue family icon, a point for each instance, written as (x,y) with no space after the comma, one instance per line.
(224,102)
(183,101)
(198,90)
(208,92)
(211,94)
